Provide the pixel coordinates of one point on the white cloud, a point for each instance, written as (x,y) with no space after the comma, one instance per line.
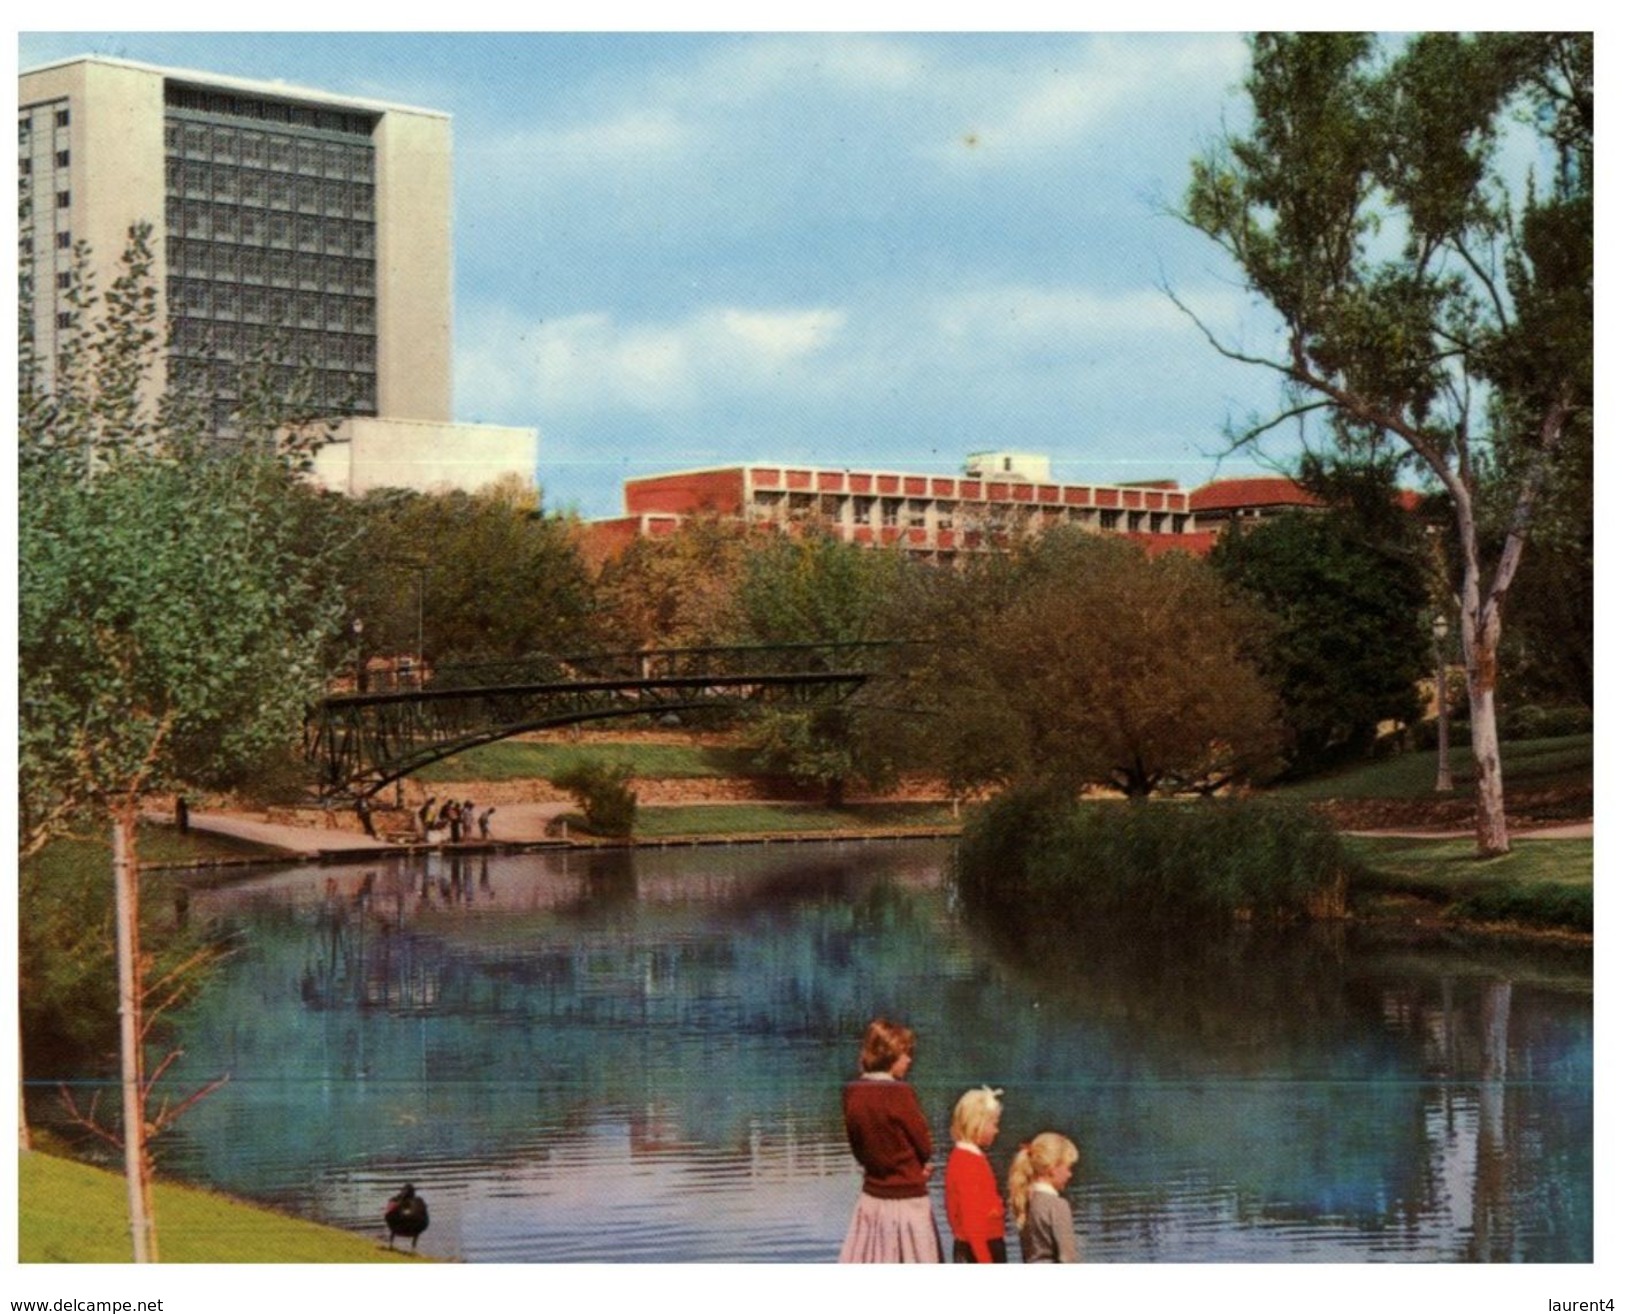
(1084,91)
(730,96)
(592,362)
(637,136)
(1055,318)
(765,67)
(783,335)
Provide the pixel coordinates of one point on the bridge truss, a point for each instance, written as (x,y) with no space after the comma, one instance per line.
(358,743)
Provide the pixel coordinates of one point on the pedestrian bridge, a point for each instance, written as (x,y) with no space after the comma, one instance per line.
(359,742)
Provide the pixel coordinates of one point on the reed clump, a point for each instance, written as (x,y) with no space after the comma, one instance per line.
(1173,864)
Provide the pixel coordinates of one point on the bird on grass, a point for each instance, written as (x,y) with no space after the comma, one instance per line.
(406,1215)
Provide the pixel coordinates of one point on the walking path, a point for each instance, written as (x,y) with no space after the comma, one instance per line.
(527,823)
(1569,830)
(517,823)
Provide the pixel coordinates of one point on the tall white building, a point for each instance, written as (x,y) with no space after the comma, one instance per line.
(297,231)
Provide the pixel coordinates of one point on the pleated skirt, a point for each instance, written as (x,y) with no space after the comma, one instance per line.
(892,1232)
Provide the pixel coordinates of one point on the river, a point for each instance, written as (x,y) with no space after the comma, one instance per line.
(637,1056)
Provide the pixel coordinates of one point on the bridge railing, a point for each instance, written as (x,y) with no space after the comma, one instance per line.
(662,663)
(357,741)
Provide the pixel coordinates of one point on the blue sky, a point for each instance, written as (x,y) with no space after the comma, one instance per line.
(681,250)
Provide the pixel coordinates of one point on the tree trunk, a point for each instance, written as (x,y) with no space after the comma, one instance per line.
(1480,645)
(131,1066)
(24,1140)
(1490,818)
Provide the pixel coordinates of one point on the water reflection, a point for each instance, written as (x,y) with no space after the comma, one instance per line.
(628,1056)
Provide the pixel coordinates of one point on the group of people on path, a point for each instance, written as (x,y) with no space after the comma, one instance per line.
(453,819)
(890,1137)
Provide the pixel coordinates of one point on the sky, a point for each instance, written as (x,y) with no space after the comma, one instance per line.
(679,250)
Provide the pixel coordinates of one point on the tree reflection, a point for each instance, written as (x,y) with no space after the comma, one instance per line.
(584,1013)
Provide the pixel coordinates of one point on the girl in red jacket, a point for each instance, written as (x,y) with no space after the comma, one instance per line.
(975,1211)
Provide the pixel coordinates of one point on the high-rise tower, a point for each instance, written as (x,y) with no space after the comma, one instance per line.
(294,226)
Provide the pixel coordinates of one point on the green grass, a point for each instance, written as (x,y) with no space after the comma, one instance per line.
(154,845)
(1527,764)
(513,759)
(73,1213)
(1540,883)
(717,819)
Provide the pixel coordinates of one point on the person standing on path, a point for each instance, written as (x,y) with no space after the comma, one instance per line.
(1042,1168)
(971,1192)
(889,1136)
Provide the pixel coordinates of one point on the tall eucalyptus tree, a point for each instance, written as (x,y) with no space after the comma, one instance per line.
(1418,214)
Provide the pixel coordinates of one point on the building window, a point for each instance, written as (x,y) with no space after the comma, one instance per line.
(889,508)
(62,159)
(64,280)
(64,241)
(64,200)
(64,319)
(62,118)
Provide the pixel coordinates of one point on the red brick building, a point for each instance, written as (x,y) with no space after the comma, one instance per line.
(1000,496)
(1246,501)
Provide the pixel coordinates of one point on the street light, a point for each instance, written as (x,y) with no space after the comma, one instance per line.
(360,657)
(1442,784)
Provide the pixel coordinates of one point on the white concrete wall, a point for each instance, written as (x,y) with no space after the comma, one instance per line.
(115,175)
(424,456)
(414,265)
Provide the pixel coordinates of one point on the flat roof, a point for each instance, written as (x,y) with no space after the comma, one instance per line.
(1001,477)
(226,82)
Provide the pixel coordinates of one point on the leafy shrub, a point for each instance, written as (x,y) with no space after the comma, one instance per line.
(69,1000)
(1547,904)
(1519,723)
(1547,722)
(1108,864)
(602,791)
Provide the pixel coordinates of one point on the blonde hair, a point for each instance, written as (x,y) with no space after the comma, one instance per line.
(1037,1158)
(975,1110)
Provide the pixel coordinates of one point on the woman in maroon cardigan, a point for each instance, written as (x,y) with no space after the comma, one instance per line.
(886,1128)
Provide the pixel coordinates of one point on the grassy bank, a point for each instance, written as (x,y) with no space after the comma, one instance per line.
(515,759)
(1526,764)
(72,1213)
(155,844)
(743,819)
(1541,883)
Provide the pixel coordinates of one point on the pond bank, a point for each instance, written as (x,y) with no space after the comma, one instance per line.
(1392,900)
(525,828)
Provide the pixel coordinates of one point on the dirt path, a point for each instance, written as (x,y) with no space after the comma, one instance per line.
(527,823)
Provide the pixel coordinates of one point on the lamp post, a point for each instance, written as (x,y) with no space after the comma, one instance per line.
(360,657)
(1442,784)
